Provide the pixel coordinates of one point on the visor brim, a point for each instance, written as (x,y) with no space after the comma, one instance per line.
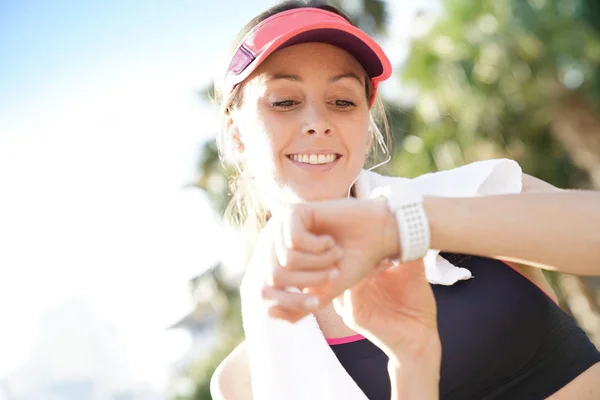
(345,36)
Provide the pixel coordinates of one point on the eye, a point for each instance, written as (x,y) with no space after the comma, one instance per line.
(284,103)
(344,104)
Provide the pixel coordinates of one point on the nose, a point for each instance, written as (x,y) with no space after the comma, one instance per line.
(323,131)
(317,121)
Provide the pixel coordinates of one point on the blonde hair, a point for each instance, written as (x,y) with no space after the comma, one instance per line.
(245,209)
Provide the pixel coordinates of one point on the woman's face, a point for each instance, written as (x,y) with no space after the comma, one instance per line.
(304,123)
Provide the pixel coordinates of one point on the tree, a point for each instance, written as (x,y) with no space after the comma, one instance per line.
(517,79)
(516,75)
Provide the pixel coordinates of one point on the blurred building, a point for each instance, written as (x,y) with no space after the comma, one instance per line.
(201,321)
(213,312)
(78,356)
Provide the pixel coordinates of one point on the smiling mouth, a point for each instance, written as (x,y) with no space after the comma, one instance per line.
(314,159)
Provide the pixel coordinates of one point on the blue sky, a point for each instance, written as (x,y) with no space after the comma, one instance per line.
(100,126)
(50,47)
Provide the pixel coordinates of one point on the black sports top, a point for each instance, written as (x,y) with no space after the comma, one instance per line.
(502,338)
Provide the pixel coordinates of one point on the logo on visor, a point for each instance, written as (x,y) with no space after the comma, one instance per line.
(241,59)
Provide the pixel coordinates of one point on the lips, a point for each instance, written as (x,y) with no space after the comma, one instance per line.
(314,159)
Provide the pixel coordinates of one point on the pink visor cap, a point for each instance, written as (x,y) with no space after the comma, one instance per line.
(304,25)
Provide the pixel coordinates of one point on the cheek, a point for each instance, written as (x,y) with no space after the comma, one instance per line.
(274,137)
(358,141)
(264,151)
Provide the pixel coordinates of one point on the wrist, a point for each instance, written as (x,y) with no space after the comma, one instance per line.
(442,224)
(428,350)
(415,376)
(390,238)
(414,381)
(405,203)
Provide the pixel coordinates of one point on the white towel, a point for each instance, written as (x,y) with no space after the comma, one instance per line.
(293,361)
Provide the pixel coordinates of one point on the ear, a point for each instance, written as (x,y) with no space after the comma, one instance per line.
(233,134)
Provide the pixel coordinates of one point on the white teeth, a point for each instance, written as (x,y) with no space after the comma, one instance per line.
(313,158)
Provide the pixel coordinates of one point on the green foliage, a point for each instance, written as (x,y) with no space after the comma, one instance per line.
(229,334)
(490,75)
(371,17)
(214,176)
(201,372)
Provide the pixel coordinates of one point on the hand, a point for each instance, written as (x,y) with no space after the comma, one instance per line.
(394,308)
(392,305)
(364,229)
(297,260)
(303,241)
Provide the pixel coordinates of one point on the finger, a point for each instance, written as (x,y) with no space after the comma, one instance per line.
(293,302)
(299,259)
(293,259)
(285,277)
(297,235)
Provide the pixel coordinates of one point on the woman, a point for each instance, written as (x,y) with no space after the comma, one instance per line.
(298,97)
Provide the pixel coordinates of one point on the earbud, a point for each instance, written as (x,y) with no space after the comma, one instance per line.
(370,135)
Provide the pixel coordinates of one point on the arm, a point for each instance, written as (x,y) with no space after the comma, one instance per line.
(395,309)
(416,376)
(557,230)
(231,379)
(554,230)
(530,185)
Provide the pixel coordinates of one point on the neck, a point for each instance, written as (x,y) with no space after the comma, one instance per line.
(275,204)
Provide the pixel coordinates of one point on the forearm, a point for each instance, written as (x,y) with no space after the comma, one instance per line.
(415,377)
(559,230)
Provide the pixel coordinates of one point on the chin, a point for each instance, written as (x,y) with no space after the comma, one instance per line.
(321,193)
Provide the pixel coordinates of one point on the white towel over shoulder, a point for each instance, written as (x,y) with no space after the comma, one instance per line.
(294,361)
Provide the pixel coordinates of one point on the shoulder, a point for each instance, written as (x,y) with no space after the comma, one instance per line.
(231,379)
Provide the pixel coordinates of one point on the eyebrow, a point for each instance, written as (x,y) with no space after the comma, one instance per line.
(333,79)
(346,75)
(293,78)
